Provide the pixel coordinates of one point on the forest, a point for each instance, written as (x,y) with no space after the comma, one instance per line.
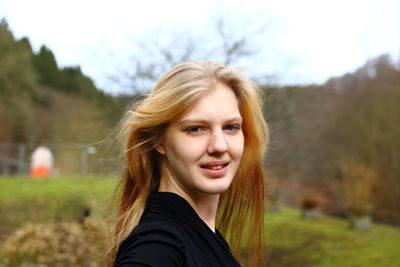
(329,143)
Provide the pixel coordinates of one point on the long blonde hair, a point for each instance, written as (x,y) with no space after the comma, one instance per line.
(242,205)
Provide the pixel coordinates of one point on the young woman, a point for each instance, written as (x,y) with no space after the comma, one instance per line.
(194,154)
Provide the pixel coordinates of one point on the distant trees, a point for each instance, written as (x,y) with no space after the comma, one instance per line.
(67,79)
(368,130)
(46,67)
(18,86)
(349,120)
(35,93)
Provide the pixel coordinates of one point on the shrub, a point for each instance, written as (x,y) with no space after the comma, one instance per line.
(358,183)
(310,202)
(60,243)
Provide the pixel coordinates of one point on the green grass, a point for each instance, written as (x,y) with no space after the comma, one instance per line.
(291,240)
(40,200)
(328,241)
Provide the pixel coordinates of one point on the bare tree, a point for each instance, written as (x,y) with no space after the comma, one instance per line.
(165,47)
(233,48)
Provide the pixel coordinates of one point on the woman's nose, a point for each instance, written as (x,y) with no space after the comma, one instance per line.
(217,143)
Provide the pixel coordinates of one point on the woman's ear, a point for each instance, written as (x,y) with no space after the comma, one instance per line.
(160,148)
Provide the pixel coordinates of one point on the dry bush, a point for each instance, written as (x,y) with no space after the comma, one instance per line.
(57,244)
(274,190)
(359,183)
(310,201)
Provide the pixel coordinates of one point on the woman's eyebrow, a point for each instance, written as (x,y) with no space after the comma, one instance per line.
(235,119)
(190,121)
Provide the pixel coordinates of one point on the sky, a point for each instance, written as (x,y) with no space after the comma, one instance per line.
(298,42)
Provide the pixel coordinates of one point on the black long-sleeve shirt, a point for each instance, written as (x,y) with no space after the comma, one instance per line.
(170,233)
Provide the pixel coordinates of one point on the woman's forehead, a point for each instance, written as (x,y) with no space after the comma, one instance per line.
(220,101)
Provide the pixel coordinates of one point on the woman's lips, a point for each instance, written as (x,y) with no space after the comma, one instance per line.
(215,169)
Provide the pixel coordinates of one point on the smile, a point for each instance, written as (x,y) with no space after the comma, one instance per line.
(218,167)
(213,167)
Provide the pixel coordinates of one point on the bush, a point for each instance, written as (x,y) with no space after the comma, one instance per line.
(310,202)
(61,243)
(359,182)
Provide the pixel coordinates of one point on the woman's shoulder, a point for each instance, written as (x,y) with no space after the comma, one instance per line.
(153,243)
(157,228)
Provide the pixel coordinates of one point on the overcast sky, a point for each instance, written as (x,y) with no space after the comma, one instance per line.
(303,42)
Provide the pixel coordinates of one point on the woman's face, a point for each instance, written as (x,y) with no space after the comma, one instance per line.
(203,147)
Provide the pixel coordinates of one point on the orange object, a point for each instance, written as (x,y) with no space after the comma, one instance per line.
(40,172)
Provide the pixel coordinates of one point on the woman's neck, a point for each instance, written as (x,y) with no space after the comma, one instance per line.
(205,205)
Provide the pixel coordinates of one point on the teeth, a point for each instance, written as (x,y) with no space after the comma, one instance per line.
(217,167)
(214,167)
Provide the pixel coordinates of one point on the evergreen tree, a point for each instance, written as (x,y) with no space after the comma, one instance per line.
(46,66)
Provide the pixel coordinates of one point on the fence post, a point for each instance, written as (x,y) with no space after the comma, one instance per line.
(21,158)
(84,159)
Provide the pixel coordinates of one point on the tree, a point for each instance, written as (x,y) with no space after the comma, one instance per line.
(46,65)
(165,47)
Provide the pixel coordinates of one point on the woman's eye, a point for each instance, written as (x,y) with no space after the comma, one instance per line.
(195,130)
(232,128)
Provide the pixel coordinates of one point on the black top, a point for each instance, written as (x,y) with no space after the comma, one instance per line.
(170,233)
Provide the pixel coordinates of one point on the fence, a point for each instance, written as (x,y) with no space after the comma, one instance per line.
(69,159)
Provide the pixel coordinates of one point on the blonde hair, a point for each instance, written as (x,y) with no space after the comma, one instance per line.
(243,204)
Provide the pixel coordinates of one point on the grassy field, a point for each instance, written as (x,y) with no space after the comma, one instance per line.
(328,241)
(42,200)
(291,240)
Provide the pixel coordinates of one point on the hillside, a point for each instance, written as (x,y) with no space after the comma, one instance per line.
(43,103)
(350,122)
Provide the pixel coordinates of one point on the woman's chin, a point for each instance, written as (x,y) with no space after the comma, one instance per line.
(217,187)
